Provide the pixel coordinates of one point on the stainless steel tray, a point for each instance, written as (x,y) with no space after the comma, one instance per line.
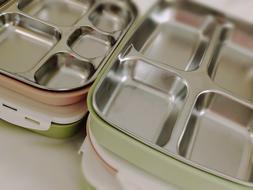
(60,45)
(183,85)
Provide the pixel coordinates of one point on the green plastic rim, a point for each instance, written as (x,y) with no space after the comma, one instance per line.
(57,131)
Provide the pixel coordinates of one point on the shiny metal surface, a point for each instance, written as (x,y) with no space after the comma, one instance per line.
(84,38)
(58,12)
(233,64)
(178,38)
(110,18)
(55,41)
(64,67)
(182,85)
(29,40)
(219,136)
(135,82)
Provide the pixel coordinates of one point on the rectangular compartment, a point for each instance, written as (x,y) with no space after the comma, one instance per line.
(233,67)
(110,17)
(219,136)
(23,42)
(141,99)
(90,44)
(58,12)
(174,35)
(64,71)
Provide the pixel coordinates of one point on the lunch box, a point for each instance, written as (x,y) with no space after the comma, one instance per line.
(58,48)
(54,121)
(177,96)
(51,51)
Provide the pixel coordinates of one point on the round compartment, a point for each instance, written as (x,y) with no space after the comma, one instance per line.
(110,18)
(64,72)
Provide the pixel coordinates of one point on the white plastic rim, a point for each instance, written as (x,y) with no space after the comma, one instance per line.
(95,172)
(22,111)
(104,169)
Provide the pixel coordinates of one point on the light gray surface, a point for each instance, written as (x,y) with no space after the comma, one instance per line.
(33,162)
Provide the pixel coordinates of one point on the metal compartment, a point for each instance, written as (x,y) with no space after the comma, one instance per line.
(109,17)
(64,67)
(158,93)
(219,136)
(232,66)
(181,84)
(49,33)
(88,39)
(34,40)
(58,12)
(177,38)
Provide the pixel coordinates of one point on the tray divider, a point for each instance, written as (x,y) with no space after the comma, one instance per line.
(219,33)
(172,144)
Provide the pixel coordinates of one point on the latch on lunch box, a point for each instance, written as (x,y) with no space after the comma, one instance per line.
(17,116)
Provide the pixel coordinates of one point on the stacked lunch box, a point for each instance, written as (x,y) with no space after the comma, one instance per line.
(50,53)
(104,170)
(175,99)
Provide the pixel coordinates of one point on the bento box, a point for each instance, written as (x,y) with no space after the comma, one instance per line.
(178,97)
(49,120)
(104,170)
(51,51)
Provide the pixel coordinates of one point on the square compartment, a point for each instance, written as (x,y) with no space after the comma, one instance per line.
(58,12)
(64,72)
(24,42)
(174,36)
(233,67)
(172,45)
(90,44)
(141,99)
(110,18)
(218,136)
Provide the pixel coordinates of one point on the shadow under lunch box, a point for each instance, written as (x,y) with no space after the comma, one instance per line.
(53,121)
(51,51)
(178,97)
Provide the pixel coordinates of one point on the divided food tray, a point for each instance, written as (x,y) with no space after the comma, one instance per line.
(60,46)
(182,84)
